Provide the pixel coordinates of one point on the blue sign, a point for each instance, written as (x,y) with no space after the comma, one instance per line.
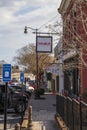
(6,73)
(22,77)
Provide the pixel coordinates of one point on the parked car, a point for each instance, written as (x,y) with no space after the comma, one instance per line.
(15,100)
(21,89)
(30,87)
(14,81)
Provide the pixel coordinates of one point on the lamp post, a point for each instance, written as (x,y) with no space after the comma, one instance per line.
(36,30)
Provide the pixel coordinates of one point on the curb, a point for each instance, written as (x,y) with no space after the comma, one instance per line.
(25,120)
(61,123)
(26,116)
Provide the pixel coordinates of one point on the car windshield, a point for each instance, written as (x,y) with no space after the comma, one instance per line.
(17,87)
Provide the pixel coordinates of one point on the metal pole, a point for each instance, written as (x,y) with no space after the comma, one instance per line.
(36,32)
(80,114)
(37,68)
(22,113)
(72,114)
(36,61)
(5,106)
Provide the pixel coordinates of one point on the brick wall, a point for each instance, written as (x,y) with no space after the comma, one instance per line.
(75,35)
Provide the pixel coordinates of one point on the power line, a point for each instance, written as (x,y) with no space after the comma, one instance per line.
(48,22)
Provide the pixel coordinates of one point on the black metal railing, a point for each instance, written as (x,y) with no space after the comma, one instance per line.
(72,111)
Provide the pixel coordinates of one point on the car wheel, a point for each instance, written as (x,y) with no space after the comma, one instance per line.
(20,107)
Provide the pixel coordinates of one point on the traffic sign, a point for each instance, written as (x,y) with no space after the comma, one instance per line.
(22,77)
(6,73)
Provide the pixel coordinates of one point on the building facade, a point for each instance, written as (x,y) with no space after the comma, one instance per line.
(74,16)
(59,75)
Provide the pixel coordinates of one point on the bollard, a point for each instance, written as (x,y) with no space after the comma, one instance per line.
(30,116)
(17,126)
(43,127)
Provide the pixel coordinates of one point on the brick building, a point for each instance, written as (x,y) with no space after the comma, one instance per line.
(74,16)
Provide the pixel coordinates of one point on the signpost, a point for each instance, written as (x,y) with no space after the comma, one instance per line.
(6,76)
(22,80)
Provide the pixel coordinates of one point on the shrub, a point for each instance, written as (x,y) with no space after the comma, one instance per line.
(39,91)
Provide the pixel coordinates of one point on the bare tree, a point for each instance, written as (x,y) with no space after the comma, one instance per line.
(27,57)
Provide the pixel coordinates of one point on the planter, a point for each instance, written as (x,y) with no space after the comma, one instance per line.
(38,92)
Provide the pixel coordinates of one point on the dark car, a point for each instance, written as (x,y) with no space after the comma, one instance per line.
(15,100)
(22,89)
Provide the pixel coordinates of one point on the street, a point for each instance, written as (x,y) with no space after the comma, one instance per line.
(12,119)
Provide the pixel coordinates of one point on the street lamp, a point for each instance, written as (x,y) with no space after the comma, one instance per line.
(36,30)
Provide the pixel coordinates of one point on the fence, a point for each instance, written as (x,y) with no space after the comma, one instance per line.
(72,111)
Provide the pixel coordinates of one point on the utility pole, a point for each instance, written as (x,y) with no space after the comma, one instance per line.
(36,32)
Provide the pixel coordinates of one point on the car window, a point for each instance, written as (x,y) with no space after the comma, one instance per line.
(2,88)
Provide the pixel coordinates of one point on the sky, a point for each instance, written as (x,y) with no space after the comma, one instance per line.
(15,15)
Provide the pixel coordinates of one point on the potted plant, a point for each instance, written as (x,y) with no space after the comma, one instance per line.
(38,92)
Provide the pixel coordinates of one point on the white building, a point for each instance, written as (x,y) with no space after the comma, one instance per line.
(59,62)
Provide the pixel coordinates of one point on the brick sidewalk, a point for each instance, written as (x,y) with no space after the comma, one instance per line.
(43,113)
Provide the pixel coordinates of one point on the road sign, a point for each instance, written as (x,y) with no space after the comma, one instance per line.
(6,73)
(22,77)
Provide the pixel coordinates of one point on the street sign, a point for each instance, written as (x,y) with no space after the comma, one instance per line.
(6,73)
(22,77)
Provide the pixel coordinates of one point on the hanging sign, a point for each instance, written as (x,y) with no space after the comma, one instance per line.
(44,44)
